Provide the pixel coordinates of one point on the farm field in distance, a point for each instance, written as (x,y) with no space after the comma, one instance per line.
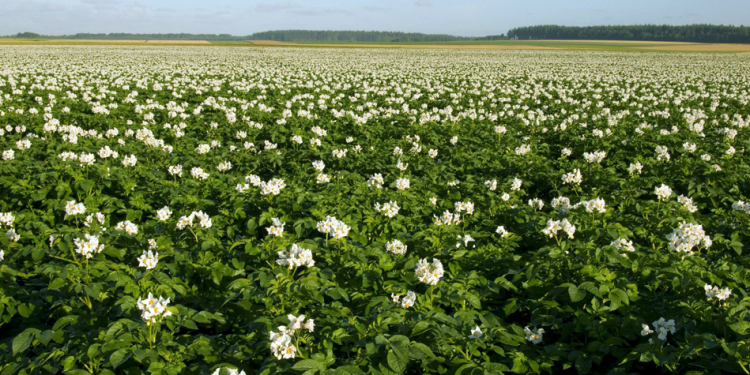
(576,45)
(182,209)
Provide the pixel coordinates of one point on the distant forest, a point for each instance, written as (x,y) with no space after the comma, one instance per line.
(353,36)
(129,36)
(688,33)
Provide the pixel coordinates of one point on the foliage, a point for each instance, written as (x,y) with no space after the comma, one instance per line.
(560,291)
(703,33)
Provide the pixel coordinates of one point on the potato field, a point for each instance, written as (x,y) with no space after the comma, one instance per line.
(219,210)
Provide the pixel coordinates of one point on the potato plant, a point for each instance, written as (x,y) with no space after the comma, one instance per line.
(201,210)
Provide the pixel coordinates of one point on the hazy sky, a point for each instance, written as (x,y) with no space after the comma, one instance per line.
(238,17)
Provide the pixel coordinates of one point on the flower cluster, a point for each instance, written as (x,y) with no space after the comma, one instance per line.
(295,257)
(148,259)
(491,184)
(662,326)
(465,239)
(409,300)
(281,342)
(128,227)
(198,173)
(185,221)
(90,219)
(429,273)
(129,161)
(89,246)
(389,209)
(7,219)
(523,149)
(623,244)
(687,236)
(397,247)
(224,166)
(663,192)
(501,231)
(272,187)
(687,203)
(515,185)
(277,229)
(403,184)
(662,153)
(594,157)
(536,203)
(713,292)
(318,165)
(175,170)
(447,218)
(153,310)
(562,204)
(593,205)
(636,167)
(574,177)
(72,208)
(553,226)
(741,206)
(467,207)
(376,181)
(230,371)
(164,213)
(333,227)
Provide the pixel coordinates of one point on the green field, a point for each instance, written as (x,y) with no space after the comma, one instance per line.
(576,45)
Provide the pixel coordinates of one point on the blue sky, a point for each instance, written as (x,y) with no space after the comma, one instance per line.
(237,17)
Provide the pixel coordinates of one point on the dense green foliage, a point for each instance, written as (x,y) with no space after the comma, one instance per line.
(702,33)
(491,136)
(352,36)
(135,36)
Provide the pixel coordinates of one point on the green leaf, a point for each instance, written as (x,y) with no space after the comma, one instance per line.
(309,364)
(422,348)
(591,288)
(473,300)
(45,337)
(396,363)
(743,328)
(617,298)
(575,293)
(25,310)
(56,283)
(420,327)
(22,341)
(119,357)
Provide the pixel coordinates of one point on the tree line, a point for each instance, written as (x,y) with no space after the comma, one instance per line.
(352,36)
(703,33)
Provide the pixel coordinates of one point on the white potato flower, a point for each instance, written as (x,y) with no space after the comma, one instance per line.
(148,259)
(89,246)
(534,335)
(164,213)
(277,229)
(476,333)
(295,257)
(129,161)
(663,192)
(397,247)
(429,273)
